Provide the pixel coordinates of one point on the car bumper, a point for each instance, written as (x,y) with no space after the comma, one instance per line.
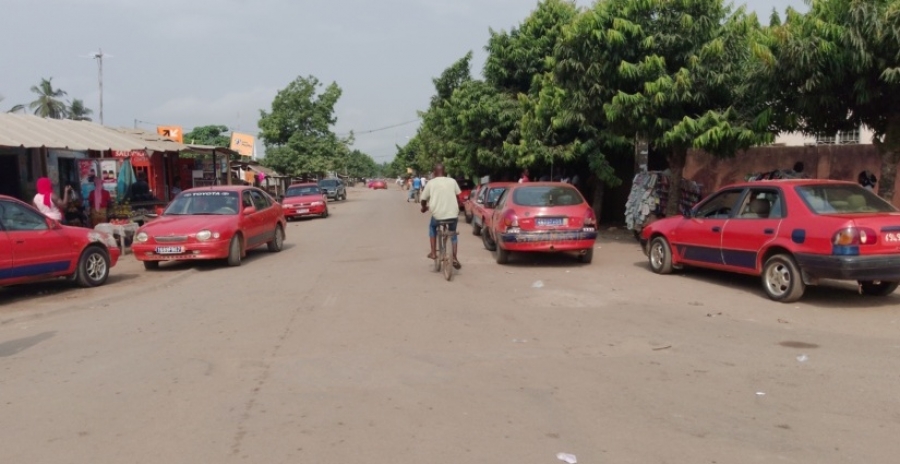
(114,255)
(549,241)
(304,211)
(880,267)
(192,251)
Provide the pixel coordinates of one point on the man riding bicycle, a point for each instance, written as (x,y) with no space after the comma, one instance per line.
(439,196)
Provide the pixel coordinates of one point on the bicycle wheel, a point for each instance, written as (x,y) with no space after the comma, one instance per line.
(440,252)
(447,257)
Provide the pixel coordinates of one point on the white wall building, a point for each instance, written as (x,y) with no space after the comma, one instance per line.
(793,139)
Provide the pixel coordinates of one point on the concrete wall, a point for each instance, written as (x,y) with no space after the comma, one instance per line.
(840,162)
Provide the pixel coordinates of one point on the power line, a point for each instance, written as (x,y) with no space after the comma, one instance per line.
(383,128)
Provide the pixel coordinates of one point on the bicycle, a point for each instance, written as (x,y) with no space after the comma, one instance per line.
(443,258)
(418,193)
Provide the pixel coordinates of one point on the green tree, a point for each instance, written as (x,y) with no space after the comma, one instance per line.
(838,68)
(213,135)
(78,112)
(297,131)
(48,103)
(359,164)
(676,73)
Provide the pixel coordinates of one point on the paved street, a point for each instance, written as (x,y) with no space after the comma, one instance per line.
(346,348)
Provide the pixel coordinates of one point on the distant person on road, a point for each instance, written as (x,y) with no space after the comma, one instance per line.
(416,185)
(440,197)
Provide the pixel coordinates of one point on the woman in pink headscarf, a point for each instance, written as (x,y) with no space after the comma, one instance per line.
(48,202)
(98,201)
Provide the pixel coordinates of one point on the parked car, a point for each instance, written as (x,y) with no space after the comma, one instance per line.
(379,184)
(469,204)
(221,222)
(304,200)
(482,208)
(541,217)
(334,189)
(34,247)
(465,188)
(792,233)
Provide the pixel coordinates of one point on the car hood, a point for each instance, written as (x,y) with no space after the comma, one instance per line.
(185,225)
(301,199)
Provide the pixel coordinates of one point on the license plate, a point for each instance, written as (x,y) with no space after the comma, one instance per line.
(892,237)
(551,221)
(302,211)
(169,250)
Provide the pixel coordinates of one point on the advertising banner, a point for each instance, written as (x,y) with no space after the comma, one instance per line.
(171,132)
(242,143)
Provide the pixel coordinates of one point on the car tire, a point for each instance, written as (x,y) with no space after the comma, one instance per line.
(469,218)
(782,280)
(489,244)
(587,256)
(879,288)
(660,256)
(151,265)
(93,267)
(476,229)
(277,242)
(234,251)
(325,214)
(501,255)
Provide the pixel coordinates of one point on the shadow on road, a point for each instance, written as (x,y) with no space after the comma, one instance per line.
(17,346)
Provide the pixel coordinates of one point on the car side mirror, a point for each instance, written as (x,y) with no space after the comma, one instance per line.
(249,210)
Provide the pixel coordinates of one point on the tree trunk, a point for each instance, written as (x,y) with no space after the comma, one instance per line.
(677,158)
(599,188)
(889,150)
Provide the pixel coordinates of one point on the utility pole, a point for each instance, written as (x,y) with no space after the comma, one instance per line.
(99,57)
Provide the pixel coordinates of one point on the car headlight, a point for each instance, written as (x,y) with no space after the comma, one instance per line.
(141,237)
(206,235)
(318,203)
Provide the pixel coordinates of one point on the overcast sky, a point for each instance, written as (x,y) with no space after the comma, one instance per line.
(201,62)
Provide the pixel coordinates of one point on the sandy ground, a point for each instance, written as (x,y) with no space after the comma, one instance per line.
(346,348)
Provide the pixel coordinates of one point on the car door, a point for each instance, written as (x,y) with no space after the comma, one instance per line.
(37,249)
(478,205)
(755,224)
(248,222)
(698,238)
(263,226)
(6,255)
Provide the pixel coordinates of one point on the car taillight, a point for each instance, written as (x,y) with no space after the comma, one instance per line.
(855,236)
(589,219)
(510,219)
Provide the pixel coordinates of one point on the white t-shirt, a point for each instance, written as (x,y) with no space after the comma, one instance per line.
(51,211)
(440,193)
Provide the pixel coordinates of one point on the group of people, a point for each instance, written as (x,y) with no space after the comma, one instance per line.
(98,203)
(415,184)
(565,178)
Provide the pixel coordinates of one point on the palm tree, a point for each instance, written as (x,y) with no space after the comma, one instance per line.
(48,103)
(14,109)
(78,112)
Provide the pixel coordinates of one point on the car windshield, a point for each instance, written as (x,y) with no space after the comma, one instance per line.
(546,196)
(204,203)
(302,191)
(842,199)
(328,183)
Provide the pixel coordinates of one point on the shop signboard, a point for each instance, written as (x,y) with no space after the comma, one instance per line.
(243,143)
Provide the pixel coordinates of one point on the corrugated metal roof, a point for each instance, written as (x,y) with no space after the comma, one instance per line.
(23,130)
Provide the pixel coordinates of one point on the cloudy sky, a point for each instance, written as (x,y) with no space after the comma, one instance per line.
(200,62)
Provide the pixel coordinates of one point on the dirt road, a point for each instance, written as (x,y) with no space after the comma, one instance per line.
(346,348)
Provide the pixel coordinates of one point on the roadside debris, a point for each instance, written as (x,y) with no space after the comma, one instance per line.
(566,457)
(537,284)
(803,358)
(662,348)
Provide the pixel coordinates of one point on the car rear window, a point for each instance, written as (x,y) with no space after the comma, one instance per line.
(841,199)
(546,196)
(300,191)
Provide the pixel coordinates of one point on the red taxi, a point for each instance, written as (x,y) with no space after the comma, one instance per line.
(469,204)
(541,217)
(221,222)
(465,189)
(482,208)
(302,200)
(378,184)
(791,233)
(34,247)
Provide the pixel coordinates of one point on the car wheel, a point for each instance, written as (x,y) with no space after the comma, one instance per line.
(877,288)
(325,214)
(469,218)
(93,267)
(782,280)
(587,256)
(501,255)
(277,242)
(476,229)
(234,251)
(489,244)
(151,265)
(660,256)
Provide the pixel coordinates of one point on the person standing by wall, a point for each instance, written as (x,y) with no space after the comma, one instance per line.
(48,202)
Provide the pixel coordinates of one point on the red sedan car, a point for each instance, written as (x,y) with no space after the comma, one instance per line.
(469,204)
(482,207)
(34,247)
(792,233)
(304,200)
(541,216)
(379,184)
(221,222)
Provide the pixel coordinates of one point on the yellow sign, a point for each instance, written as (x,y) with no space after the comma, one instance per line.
(172,132)
(242,143)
